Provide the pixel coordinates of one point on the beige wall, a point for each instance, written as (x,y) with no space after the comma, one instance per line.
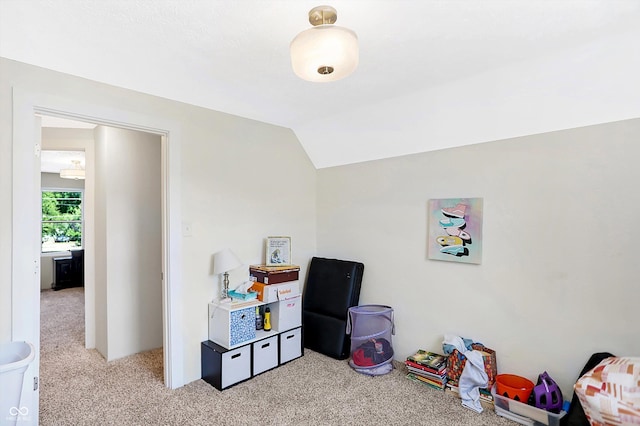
(558,228)
(241,181)
(558,279)
(130,250)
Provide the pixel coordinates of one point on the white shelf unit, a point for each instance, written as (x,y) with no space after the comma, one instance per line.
(236,351)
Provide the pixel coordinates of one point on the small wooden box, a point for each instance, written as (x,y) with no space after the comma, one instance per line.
(274,274)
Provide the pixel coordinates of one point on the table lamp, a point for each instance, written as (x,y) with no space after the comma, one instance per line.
(223,262)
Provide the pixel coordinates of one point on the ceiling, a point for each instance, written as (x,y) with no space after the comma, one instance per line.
(232,56)
(54,161)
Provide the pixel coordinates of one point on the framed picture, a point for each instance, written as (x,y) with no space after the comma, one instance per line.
(278,251)
(455,230)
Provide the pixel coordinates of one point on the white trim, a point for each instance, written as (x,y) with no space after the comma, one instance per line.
(25,107)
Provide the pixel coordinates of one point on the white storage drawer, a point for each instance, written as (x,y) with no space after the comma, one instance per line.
(236,366)
(265,354)
(290,345)
(286,314)
(222,367)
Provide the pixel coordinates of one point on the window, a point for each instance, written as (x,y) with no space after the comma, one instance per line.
(61,220)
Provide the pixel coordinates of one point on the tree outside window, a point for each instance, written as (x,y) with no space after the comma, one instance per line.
(61,220)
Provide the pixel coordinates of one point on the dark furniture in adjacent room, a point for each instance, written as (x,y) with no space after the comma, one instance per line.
(68,271)
(333,286)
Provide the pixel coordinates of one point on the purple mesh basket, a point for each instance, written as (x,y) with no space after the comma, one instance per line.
(371,328)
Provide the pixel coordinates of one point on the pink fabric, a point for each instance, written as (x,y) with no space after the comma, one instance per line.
(610,392)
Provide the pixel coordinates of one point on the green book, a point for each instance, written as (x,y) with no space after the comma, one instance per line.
(432,360)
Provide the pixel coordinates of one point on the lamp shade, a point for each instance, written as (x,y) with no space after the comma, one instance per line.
(72,174)
(225,261)
(324,53)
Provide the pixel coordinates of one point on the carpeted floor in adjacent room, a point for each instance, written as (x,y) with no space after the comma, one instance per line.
(78,387)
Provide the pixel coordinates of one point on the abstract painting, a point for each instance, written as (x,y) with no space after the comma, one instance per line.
(455,230)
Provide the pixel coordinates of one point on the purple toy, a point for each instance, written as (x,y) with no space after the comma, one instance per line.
(546,394)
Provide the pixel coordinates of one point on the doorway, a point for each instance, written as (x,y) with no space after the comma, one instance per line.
(121,230)
(26,217)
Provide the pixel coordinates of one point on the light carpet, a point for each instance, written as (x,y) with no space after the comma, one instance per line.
(78,387)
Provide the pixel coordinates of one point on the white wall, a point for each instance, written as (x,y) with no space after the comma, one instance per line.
(53,180)
(587,84)
(131,225)
(241,181)
(101,236)
(558,279)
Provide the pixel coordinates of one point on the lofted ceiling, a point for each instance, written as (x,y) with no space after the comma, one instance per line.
(418,60)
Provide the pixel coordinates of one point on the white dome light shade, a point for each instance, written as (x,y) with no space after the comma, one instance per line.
(324,52)
(76,172)
(72,174)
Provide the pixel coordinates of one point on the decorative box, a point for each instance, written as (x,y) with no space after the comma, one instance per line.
(274,274)
(230,326)
(456,362)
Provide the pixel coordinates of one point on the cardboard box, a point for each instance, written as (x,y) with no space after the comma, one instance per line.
(273,292)
(286,314)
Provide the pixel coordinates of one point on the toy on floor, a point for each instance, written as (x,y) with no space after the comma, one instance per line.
(546,394)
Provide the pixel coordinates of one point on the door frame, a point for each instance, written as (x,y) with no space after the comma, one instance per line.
(25,300)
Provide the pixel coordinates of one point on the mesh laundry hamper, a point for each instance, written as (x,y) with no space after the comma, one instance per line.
(371,328)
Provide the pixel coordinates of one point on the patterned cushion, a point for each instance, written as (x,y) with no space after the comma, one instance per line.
(610,392)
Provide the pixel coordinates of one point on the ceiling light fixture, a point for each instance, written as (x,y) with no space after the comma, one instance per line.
(76,172)
(325,52)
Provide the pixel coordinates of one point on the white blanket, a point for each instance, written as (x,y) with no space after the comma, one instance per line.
(473,376)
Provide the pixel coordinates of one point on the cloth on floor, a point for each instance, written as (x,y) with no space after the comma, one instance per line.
(473,376)
(472,379)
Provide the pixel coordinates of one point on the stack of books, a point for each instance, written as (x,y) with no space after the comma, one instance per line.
(428,368)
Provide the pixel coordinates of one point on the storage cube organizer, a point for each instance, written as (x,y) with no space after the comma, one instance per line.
(371,328)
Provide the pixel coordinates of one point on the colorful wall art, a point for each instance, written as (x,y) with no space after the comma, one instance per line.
(455,230)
